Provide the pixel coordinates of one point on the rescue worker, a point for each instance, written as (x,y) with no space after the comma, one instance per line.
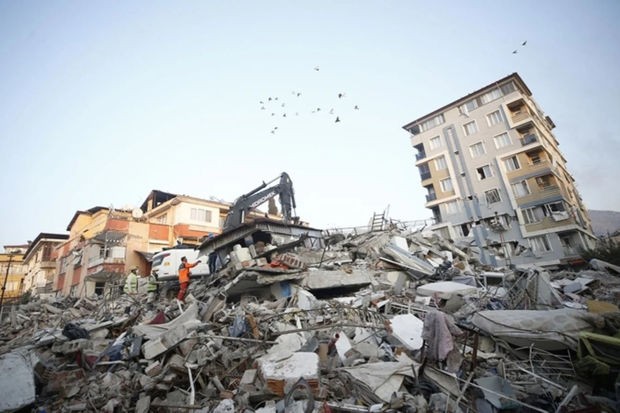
(152,288)
(131,282)
(184,274)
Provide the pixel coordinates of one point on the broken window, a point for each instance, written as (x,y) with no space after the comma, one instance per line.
(512,163)
(540,244)
(484,172)
(492,196)
(556,211)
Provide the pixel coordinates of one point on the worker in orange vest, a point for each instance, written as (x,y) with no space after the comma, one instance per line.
(184,275)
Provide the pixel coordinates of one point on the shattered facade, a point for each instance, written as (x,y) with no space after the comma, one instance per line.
(396,320)
(495,177)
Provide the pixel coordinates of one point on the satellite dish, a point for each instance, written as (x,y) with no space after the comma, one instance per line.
(137,213)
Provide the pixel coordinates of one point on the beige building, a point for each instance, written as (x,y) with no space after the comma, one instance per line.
(12,272)
(104,243)
(494,174)
(40,262)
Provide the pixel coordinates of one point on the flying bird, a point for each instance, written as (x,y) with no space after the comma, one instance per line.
(515,51)
(316,68)
(524,43)
(340,95)
(262,108)
(331,111)
(356,107)
(337,119)
(284,115)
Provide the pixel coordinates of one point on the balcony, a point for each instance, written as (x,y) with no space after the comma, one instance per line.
(420,155)
(431,197)
(425,175)
(529,139)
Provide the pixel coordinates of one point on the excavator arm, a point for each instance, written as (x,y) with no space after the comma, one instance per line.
(259,195)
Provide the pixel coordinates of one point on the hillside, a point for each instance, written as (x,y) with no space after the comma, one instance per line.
(604,222)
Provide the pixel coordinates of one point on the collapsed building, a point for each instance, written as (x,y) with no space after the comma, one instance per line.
(302,320)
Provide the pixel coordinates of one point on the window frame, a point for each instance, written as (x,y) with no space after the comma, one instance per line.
(546,246)
(516,162)
(495,193)
(495,140)
(475,128)
(432,146)
(443,186)
(487,176)
(500,118)
(523,184)
(481,145)
(194,211)
(444,163)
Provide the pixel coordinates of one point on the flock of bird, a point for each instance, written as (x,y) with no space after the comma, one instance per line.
(517,50)
(275,106)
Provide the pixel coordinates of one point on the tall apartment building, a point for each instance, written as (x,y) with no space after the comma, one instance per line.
(495,176)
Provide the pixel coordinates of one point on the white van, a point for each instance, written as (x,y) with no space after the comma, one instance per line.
(165,264)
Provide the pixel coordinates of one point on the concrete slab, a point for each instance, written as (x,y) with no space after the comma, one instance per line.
(16,382)
(445,289)
(407,329)
(325,279)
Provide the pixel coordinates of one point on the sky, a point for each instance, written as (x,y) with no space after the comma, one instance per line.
(103,101)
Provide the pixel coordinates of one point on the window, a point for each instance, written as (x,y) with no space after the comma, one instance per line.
(521,189)
(492,196)
(502,140)
(446,185)
(494,118)
(435,143)
(470,128)
(468,106)
(452,207)
(507,88)
(540,244)
(440,163)
(162,219)
(512,163)
(484,172)
(556,211)
(532,215)
(432,122)
(491,96)
(477,149)
(199,214)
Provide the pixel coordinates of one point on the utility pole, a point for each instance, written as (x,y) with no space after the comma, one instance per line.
(6,277)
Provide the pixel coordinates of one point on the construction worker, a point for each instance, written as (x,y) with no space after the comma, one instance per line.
(131,283)
(184,275)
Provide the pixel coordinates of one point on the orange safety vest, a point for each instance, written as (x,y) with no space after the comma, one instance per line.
(184,272)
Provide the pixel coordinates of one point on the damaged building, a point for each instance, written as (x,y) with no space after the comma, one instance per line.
(495,176)
(301,320)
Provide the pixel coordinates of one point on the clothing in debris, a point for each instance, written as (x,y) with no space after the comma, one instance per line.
(438,332)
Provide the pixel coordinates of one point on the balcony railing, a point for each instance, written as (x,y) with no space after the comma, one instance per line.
(431,197)
(425,175)
(420,155)
(520,116)
(529,139)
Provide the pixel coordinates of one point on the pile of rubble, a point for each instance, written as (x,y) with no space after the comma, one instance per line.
(377,322)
